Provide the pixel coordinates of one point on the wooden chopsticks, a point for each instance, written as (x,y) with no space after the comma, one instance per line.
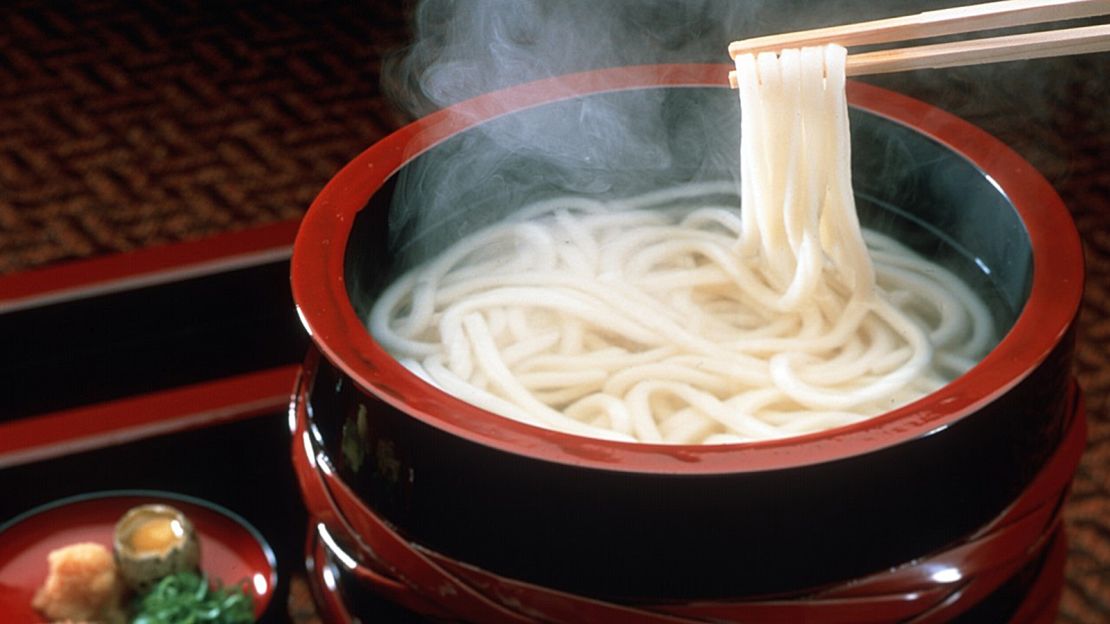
(958,20)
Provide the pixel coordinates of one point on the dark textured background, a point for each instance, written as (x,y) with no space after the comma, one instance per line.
(131,124)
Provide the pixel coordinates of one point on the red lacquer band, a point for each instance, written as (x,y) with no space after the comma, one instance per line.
(934,588)
(147,266)
(90,427)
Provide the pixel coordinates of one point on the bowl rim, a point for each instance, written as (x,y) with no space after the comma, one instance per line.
(319,289)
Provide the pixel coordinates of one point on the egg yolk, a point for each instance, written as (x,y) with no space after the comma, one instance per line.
(157,535)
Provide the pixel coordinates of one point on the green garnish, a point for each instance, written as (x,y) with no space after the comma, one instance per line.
(186,598)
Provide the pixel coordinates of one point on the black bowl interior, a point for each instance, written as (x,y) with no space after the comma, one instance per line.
(906,183)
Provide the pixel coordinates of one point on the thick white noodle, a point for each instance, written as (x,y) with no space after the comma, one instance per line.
(675,317)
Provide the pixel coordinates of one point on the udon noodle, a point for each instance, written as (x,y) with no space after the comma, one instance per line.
(675,316)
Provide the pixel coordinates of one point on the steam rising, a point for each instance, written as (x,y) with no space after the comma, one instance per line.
(616,144)
(619,143)
(463,48)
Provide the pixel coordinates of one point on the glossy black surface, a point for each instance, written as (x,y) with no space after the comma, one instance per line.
(141,340)
(629,536)
(363,601)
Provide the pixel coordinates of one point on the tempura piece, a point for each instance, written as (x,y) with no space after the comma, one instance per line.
(82,585)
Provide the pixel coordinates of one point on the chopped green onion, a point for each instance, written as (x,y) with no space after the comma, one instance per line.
(186,598)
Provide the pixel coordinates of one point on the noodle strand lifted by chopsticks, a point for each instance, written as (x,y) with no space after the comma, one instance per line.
(674,317)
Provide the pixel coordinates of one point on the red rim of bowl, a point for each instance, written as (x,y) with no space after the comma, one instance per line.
(320,292)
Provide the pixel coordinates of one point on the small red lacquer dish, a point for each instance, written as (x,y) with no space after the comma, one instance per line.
(232,551)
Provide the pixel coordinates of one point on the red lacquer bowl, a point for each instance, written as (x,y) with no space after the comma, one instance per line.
(641,522)
(232,551)
(360,567)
